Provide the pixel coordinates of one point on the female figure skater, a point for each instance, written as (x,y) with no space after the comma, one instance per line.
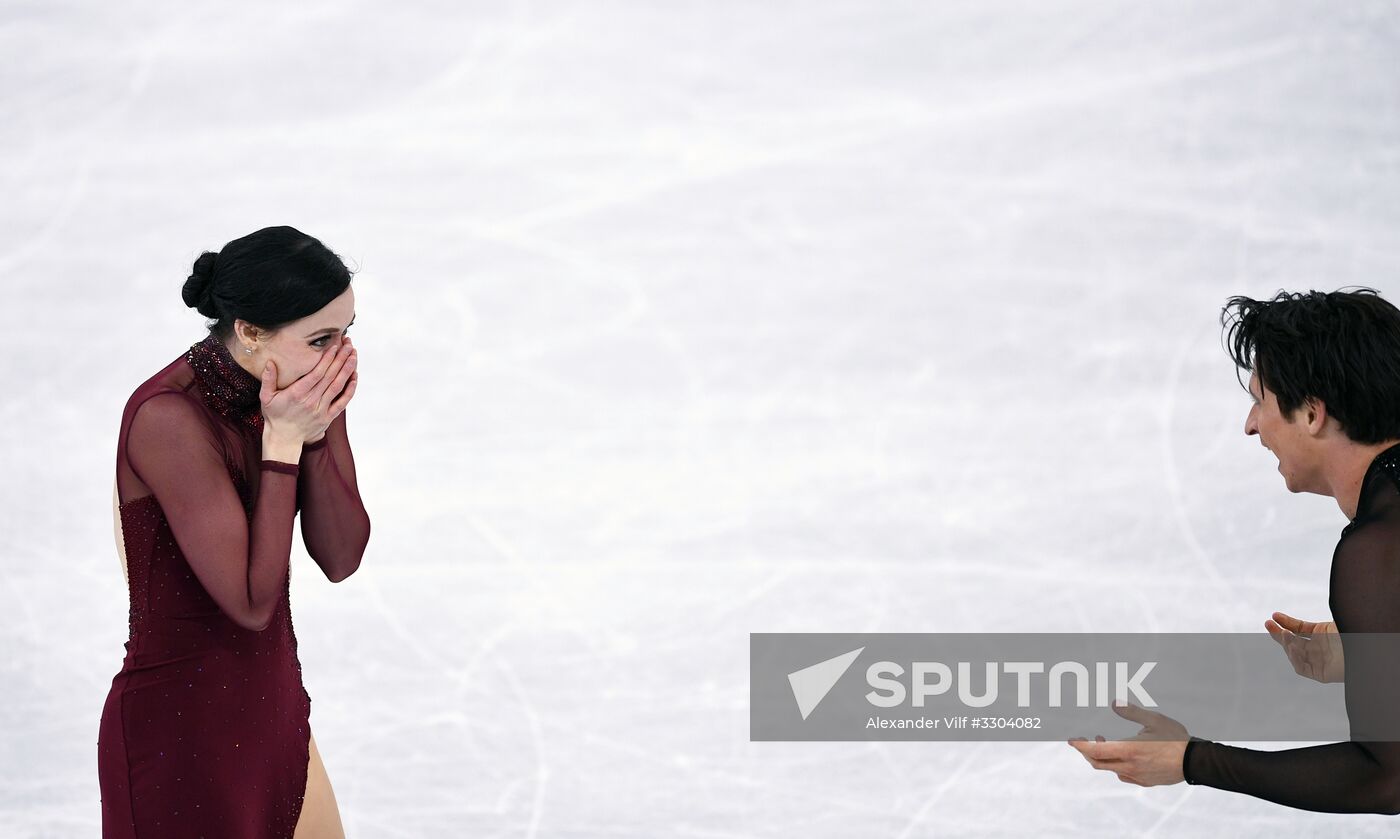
(205,731)
(1325,390)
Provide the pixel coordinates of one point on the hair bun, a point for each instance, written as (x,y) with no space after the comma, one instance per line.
(198,292)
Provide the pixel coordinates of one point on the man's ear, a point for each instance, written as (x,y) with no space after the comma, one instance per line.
(1315,412)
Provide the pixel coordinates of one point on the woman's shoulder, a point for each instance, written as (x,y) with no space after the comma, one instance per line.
(175,377)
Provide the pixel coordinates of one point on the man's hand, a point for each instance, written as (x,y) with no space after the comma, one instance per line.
(1314,648)
(1150,758)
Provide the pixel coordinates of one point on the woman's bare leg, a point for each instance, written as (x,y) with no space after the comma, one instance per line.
(320,817)
(117,529)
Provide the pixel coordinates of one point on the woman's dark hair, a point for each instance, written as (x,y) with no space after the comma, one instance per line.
(269,278)
(1341,348)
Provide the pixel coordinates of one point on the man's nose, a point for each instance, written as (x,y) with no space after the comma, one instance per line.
(1251,427)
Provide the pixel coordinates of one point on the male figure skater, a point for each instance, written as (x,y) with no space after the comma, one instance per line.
(1325,385)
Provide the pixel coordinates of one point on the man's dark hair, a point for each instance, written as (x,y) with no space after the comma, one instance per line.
(1341,348)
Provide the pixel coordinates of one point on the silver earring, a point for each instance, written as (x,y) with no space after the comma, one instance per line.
(246,350)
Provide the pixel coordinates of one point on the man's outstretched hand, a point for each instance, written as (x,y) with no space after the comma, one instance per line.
(1314,648)
(1151,758)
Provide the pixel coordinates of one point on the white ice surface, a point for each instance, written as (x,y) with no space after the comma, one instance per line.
(680,322)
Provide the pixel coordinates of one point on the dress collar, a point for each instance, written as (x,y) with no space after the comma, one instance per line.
(228,389)
(1388,462)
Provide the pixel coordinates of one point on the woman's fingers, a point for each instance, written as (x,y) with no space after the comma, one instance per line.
(319,378)
(342,376)
(335,393)
(269,381)
(344,399)
(342,354)
(303,387)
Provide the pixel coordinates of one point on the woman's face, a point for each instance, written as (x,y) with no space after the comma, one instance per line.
(299,346)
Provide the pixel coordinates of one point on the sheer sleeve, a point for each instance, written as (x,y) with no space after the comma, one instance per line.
(1359,776)
(173,451)
(334,524)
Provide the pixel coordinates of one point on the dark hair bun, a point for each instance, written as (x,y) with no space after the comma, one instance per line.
(198,292)
(267,279)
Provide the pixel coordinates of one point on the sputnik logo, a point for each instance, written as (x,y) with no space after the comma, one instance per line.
(810,685)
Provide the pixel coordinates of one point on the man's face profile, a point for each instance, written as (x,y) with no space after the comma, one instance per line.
(1276,434)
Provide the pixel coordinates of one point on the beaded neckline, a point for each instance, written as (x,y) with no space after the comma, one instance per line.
(1388,461)
(228,389)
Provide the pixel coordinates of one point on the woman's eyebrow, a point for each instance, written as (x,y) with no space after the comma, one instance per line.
(332,328)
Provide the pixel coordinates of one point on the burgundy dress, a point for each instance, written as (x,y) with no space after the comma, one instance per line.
(205,730)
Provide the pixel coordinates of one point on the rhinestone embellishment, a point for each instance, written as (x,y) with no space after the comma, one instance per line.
(228,389)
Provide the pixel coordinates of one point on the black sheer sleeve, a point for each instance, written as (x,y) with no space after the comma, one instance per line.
(1359,776)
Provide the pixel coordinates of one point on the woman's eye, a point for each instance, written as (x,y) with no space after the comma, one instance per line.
(319,343)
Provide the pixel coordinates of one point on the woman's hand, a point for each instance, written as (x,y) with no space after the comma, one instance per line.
(1150,758)
(1314,648)
(304,409)
(350,386)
